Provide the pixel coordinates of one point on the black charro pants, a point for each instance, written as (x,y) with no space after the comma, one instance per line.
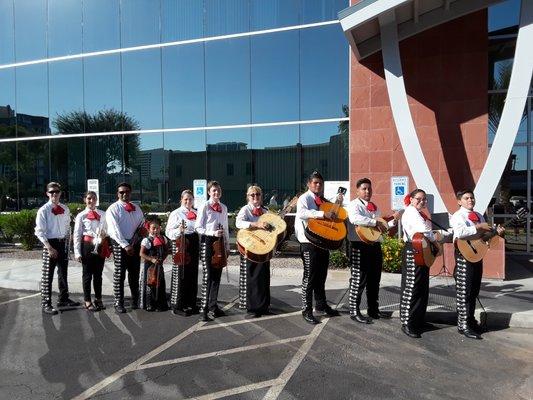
(415,291)
(49,265)
(184,281)
(316,262)
(211,276)
(93,266)
(365,272)
(123,263)
(468,283)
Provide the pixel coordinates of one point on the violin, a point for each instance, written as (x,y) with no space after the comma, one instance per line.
(219,259)
(181,256)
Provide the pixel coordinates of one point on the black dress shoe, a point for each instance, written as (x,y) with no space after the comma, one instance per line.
(330,312)
(205,317)
(193,310)
(68,303)
(409,332)
(361,318)
(179,311)
(50,310)
(99,304)
(134,305)
(378,314)
(310,318)
(471,334)
(217,313)
(120,309)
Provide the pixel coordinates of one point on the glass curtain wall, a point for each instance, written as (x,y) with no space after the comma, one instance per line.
(514,189)
(64,70)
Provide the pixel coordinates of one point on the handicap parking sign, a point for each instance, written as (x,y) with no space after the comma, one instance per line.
(399,190)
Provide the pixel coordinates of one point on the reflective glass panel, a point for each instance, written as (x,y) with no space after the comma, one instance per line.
(66,96)
(228,81)
(7,30)
(325,148)
(501,56)
(503,16)
(64,27)
(7,103)
(186,161)
(229,161)
(32,100)
(274,14)
(182,20)
(101,25)
(324,72)
(8,174)
(30,29)
(67,166)
(183,86)
(275,77)
(223,17)
(34,172)
(149,175)
(322,10)
(140,22)
(102,83)
(496,103)
(141,87)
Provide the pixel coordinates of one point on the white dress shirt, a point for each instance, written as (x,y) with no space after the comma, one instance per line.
(173,230)
(413,222)
(462,227)
(87,227)
(121,224)
(51,226)
(306,208)
(245,216)
(208,221)
(359,215)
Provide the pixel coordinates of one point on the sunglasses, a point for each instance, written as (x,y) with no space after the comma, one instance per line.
(54,191)
(420,198)
(124,191)
(255,195)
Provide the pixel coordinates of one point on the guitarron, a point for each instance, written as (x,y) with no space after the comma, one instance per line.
(328,234)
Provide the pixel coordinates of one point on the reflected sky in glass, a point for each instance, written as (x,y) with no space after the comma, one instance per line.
(504,15)
(185,141)
(30,30)
(66,89)
(277,136)
(102,83)
(101,25)
(140,22)
(32,90)
(64,27)
(7,42)
(274,13)
(182,20)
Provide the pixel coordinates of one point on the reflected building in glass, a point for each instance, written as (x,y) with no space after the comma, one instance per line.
(161,92)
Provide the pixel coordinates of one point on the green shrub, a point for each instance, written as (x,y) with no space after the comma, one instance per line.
(75,208)
(6,236)
(21,225)
(391,248)
(338,259)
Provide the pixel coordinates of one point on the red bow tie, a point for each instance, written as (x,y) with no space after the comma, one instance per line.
(158,241)
(58,210)
(257,211)
(407,200)
(191,215)
(129,207)
(423,215)
(93,215)
(319,200)
(473,216)
(216,207)
(371,207)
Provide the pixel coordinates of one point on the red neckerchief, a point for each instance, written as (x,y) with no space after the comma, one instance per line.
(91,215)
(129,207)
(216,207)
(407,200)
(191,215)
(473,216)
(423,215)
(371,207)
(319,200)
(58,210)
(257,211)
(158,241)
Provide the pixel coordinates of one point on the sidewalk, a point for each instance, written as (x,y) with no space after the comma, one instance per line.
(506,303)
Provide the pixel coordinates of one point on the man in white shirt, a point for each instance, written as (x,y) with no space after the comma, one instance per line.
(125,228)
(52,228)
(468,224)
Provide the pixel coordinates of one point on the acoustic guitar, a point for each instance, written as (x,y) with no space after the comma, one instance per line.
(258,245)
(371,234)
(328,234)
(473,250)
(425,251)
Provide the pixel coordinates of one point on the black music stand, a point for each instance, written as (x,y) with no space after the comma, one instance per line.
(441,221)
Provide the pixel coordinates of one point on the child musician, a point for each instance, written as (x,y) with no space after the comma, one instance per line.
(254,281)
(52,228)
(212,225)
(89,229)
(184,287)
(468,224)
(154,250)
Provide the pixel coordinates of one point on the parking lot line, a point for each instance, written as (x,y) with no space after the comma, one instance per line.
(20,298)
(247,321)
(237,390)
(221,352)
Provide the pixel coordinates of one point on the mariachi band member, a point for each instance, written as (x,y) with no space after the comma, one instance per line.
(254,281)
(468,224)
(212,225)
(415,278)
(89,229)
(315,259)
(184,281)
(52,228)
(154,250)
(365,259)
(124,219)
